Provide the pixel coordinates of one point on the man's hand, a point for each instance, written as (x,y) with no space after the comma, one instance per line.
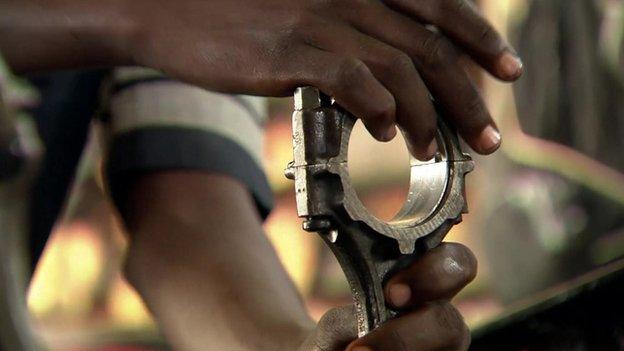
(213,281)
(377,58)
(423,292)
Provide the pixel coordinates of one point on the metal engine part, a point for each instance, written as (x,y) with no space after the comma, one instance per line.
(368,249)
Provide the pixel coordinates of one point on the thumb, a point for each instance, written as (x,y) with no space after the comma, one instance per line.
(336,329)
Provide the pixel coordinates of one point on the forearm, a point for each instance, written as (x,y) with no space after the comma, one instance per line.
(57,34)
(205,269)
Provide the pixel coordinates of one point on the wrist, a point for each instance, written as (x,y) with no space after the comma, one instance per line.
(124,31)
(106,30)
(66,34)
(201,262)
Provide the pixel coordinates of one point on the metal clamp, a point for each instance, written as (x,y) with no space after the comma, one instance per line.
(369,249)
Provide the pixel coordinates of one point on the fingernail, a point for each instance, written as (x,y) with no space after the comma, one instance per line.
(399,294)
(511,65)
(489,140)
(430,153)
(389,134)
(432,150)
(361,348)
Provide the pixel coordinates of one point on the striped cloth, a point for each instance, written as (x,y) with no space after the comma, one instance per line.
(158,123)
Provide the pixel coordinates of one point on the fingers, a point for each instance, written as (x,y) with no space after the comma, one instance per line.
(435,324)
(461,102)
(437,60)
(354,87)
(365,65)
(461,21)
(415,113)
(440,274)
(434,327)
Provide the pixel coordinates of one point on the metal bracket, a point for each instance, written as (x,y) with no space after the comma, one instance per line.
(367,248)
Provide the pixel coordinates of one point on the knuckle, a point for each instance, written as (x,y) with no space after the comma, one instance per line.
(450,320)
(285,42)
(307,23)
(289,31)
(400,63)
(445,10)
(475,108)
(393,65)
(454,6)
(428,10)
(481,32)
(437,52)
(487,34)
(301,24)
(280,52)
(349,71)
(384,112)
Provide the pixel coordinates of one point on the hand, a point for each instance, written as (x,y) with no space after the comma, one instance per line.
(423,292)
(376,58)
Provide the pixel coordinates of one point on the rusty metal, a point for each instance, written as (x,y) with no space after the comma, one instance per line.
(369,249)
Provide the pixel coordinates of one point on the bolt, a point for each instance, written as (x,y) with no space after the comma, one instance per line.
(307,98)
(332,235)
(289,172)
(316,224)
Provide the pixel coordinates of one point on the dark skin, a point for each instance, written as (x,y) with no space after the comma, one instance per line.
(213,281)
(198,256)
(376,58)
(423,292)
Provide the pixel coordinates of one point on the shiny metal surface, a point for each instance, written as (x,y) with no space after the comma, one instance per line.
(368,248)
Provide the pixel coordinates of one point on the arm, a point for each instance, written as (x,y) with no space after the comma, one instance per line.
(201,262)
(376,58)
(38,35)
(204,267)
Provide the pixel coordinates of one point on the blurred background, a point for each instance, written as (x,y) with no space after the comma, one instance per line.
(548,207)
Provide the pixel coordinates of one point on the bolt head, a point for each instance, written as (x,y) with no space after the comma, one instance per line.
(307,98)
(316,225)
